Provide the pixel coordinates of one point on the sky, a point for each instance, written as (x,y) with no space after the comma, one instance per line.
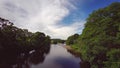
(56,18)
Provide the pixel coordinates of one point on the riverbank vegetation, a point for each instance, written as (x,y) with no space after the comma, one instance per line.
(19,40)
(99,43)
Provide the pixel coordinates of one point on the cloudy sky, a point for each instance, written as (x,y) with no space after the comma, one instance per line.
(56,18)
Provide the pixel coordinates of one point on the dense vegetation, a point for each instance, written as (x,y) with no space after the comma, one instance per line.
(19,40)
(72,39)
(99,43)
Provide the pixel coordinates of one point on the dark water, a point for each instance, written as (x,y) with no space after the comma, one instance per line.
(55,56)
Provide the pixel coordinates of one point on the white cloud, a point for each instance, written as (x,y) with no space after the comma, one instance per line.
(40,15)
(65,31)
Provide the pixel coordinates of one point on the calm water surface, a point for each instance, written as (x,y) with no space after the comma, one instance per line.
(55,56)
(59,57)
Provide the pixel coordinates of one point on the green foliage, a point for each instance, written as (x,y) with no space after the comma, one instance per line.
(20,40)
(99,42)
(72,39)
(113,59)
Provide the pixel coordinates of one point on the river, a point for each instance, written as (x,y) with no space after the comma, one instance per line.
(59,57)
(55,56)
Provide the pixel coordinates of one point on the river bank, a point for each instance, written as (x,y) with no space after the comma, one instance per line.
(72,51)
(83,64)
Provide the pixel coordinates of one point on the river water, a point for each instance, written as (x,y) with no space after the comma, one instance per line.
(59,57)
(55,56)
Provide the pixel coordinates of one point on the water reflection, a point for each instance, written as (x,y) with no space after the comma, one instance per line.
(59,57)
(83,64)
(55,56)
(23,60)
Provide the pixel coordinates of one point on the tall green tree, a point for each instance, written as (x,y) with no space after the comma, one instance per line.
(99,42)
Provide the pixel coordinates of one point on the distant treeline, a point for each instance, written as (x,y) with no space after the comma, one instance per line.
(99,43)
(56,41)
(15,39)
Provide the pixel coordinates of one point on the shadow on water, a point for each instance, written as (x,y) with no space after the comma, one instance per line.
(83,64)
(9,59)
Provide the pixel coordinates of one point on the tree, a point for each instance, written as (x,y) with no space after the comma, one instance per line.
(72,39)
(19,40)
(99,41)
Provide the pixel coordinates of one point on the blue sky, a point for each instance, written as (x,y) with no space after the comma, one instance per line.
(87,7)
(56,18)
